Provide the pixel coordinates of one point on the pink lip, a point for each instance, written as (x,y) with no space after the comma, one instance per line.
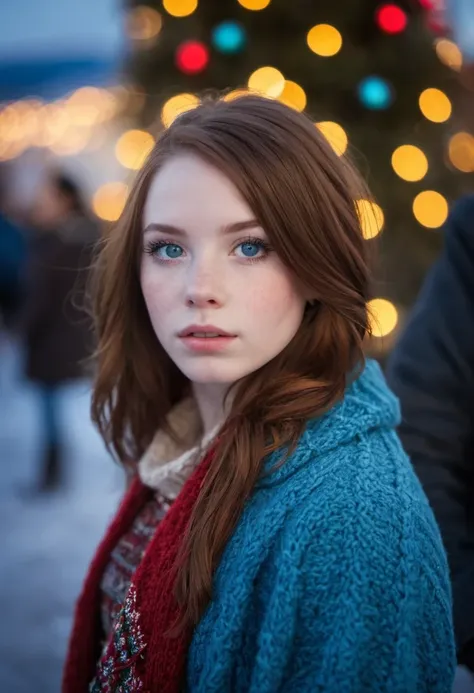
(205,344)
(204,328)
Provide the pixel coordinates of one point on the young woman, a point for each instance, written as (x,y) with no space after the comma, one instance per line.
(274,537)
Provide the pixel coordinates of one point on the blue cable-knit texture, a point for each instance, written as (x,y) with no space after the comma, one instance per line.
(335,578)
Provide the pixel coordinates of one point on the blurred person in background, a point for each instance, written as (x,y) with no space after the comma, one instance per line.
(275,536)
(432,372)
(55,325)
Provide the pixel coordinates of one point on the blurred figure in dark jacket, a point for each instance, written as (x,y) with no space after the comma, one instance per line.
(432,371)
(57,330)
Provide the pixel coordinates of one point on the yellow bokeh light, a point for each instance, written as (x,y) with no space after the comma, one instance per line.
(254,4)
(90,105)
(11,123)
(73,141)
(335,135)
(177,105)
(449,53)
(180,8)
(54,122)
(267,81)
(383,317)
(430,209)
(143,23)
(371,218)
(11,149)
(409,162)
(293,95)
(109,200)
(461,151)
(235,94)
(435,105)
(133,148)
(324,40)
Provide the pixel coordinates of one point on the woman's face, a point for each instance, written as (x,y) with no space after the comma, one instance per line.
(220,300)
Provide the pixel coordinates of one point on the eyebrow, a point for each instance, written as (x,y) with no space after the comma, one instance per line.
(175,231)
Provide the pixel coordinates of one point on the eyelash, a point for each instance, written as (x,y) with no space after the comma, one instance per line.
(153,246)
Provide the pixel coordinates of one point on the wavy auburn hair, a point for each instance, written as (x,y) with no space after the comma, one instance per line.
(303,195)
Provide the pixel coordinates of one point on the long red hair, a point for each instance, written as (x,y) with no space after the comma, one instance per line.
(303,195)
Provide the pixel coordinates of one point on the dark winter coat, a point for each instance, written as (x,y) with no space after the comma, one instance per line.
(56,327)
(432,372)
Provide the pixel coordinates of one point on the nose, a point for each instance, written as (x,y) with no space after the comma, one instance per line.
(204,288)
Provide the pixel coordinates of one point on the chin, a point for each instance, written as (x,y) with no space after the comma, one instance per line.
(218,374)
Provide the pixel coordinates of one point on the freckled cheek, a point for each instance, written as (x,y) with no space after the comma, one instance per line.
(273,301)
(159,294)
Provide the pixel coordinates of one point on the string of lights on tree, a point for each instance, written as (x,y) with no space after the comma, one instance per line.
(375,92)
(192,57)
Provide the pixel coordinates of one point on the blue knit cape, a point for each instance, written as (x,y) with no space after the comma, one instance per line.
(335,578)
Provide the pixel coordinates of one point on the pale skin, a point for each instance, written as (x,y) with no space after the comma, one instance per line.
(206,261)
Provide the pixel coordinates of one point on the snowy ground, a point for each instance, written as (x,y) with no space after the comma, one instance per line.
(45,543)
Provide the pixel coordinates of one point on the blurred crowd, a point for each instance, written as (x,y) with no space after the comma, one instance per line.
(45,253)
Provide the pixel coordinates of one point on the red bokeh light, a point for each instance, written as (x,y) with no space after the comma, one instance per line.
(391,19)
(192,57)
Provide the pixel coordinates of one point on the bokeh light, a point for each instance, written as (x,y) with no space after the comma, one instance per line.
(254,4)
(461,151)
(371,218)
(375,93)
(229,37)
(409,162)
(383,317)
(177,105)
(324,40)
(192,57)
(430,209)
(293,95)
(267,81)
(11,149)
(435,105)
(73,141)
(133,148)
(335,135)
(449,53)
(54,122)
(235,94)
(143,23)
(109,200)
(180,8)
(19,124)
(391,18)
(90,105)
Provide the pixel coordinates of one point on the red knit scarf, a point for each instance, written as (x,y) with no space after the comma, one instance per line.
(139,657)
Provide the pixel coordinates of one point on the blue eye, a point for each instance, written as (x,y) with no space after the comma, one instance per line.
(252,248)
(173,251)
(165,251)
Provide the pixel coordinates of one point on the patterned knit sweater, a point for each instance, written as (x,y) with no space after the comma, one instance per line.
(335,578)
(164,467)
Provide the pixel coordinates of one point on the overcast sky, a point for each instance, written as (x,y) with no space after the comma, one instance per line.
(59,28)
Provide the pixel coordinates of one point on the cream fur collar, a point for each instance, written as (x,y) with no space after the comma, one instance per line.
(166,464)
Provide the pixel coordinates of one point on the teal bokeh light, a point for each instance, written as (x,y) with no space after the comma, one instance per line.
(229,37)
(375,93)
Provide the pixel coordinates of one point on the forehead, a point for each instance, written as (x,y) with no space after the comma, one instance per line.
(187,189)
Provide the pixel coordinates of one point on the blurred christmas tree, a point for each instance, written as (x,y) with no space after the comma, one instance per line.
(373,74)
